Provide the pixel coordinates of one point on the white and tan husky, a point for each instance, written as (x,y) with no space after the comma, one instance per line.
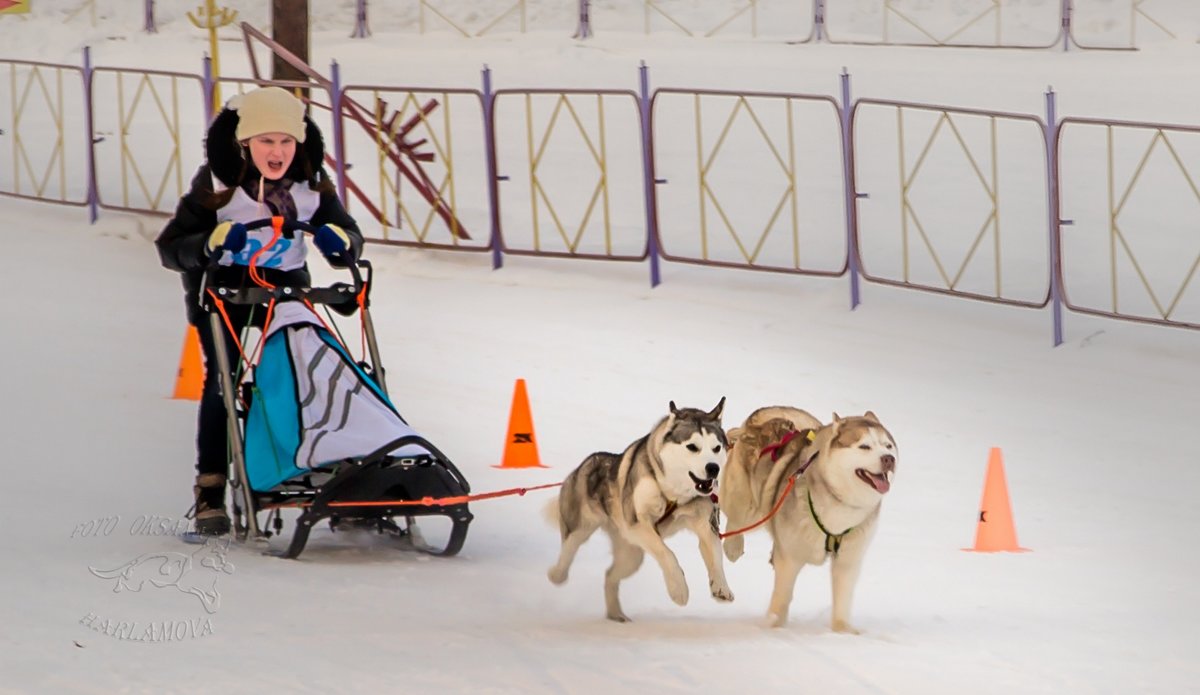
(662,483)
(842,470)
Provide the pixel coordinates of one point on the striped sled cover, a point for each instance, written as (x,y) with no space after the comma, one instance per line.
(313,404)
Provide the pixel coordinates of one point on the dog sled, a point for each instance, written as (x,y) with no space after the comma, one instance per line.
(314,430)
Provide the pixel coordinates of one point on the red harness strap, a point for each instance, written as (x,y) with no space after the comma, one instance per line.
(773,449)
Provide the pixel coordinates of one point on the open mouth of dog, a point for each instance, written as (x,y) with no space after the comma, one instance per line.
(882,482)
(703,485)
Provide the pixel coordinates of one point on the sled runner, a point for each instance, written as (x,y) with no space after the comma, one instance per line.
(313,429)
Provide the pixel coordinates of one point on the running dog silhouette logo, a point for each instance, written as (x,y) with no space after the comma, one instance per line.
(193,578)
(195,574)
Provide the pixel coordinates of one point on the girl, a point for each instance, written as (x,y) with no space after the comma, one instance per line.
(264,159)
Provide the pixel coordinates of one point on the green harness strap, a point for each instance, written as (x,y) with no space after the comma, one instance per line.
(833,542)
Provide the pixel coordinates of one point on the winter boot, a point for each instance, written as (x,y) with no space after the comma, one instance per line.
(211,519)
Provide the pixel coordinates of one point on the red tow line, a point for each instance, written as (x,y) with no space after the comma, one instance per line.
(426,501)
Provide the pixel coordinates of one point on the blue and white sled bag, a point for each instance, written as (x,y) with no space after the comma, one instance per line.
(313,405)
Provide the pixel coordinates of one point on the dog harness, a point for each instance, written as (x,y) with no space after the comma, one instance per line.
(773,449)
(833,542)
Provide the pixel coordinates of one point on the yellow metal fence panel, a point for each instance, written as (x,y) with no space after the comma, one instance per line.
(945,22)
(152,123)
(573,185)
(440,15)
(43,147)
(417,166)
(956,200)
(790,19)
(1133,193)
(751,180)
(1122,23)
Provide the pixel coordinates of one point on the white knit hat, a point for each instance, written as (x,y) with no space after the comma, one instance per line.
(268,110)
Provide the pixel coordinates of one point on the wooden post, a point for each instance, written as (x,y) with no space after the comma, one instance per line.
(289,27)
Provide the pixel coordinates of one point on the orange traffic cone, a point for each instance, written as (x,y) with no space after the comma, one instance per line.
(189,383)
(995,531)
(520,446)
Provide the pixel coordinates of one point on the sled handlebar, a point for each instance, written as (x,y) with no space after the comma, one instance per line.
(289,227)
(334,294)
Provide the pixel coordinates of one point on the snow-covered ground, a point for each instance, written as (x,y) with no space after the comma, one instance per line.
(1096,434)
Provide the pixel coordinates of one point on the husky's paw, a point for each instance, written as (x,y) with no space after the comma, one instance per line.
(678,590)
(734,548)
(619,618)
(776,619)
(845,628)
(557,575)
(721,592)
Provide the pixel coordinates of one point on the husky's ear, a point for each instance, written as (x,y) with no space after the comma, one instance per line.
(871,416)
(715,413)
(836,417)
(674,410)
(735,435)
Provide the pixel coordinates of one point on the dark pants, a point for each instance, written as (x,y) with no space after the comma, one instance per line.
(212,429)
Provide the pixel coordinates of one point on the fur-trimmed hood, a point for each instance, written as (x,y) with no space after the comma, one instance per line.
(225,153)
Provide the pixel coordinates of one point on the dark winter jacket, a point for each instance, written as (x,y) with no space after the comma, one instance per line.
(182,244)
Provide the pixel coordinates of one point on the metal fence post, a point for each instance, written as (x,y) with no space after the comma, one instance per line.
(210,109)
(851,194)
(93,196)
(584,30)
(361,30)
(149,27)
(819,19)
(493,176)
(1055,229)
(1066,23)
(339,140)
(648,175)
